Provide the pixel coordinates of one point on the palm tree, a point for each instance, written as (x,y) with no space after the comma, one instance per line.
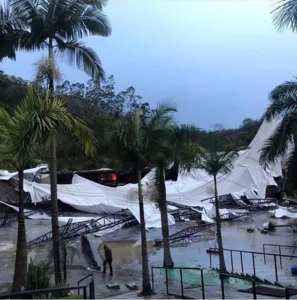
(58,25)
(15,151)
(175,145)
(130,138)
(216,161)
(160,155)
(46,117)
(283,100)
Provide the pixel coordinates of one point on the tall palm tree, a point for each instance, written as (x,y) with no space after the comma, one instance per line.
(161,123)
(130,138)
(216,161)
(46,117)
(57,26)
(15,151)
(283,103)
(175,145)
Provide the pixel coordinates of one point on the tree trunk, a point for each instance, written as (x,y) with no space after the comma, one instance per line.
(146,284)
(167,262)
(219,230)
(20,269)
(53,181)
(55,221)
(65,263)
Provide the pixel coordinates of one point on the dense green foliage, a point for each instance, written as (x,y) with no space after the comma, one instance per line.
(39,276)
(93,102)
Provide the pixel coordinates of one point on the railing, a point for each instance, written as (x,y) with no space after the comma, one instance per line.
(84,278)
(253,253)
(92,286)
(279,250)
(225,275)
(181,278)
(287,292)
(54,291)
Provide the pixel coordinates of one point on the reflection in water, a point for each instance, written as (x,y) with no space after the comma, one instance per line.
(125,252)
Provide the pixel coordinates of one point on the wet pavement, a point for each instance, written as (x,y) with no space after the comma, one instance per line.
(125,244)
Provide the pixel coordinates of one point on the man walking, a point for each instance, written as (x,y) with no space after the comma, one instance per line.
(108,259)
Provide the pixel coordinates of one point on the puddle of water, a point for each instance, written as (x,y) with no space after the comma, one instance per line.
(125,252)
(126,248)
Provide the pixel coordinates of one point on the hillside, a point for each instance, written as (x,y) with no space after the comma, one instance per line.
(91,101)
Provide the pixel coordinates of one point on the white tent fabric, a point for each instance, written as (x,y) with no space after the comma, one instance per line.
(246,178)
(87,196)
(282,212)
(5,175)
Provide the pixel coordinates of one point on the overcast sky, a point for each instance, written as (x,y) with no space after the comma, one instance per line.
(216,59)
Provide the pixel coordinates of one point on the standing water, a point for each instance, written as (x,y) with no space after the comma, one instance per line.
(126,247)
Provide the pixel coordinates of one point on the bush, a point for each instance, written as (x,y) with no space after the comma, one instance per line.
(39,276)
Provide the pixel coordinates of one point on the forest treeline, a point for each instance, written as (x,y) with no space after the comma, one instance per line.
(94,100)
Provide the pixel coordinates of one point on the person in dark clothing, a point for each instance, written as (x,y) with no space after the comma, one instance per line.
(107,260)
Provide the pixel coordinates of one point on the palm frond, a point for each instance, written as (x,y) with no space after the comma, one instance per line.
(94,22)
(213,160)
(30,9)
(290,163)
(13,146)
(74,19)
(5,119)
(186,155)
(79,129)
(81,57)
(227,160)
(10,17)
(283,100)
(43,117)
(278,144)
(12,30)
(285,15)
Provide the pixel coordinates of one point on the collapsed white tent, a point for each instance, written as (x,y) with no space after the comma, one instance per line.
(87,196)
(5,175)
(283,212)
(246,178)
